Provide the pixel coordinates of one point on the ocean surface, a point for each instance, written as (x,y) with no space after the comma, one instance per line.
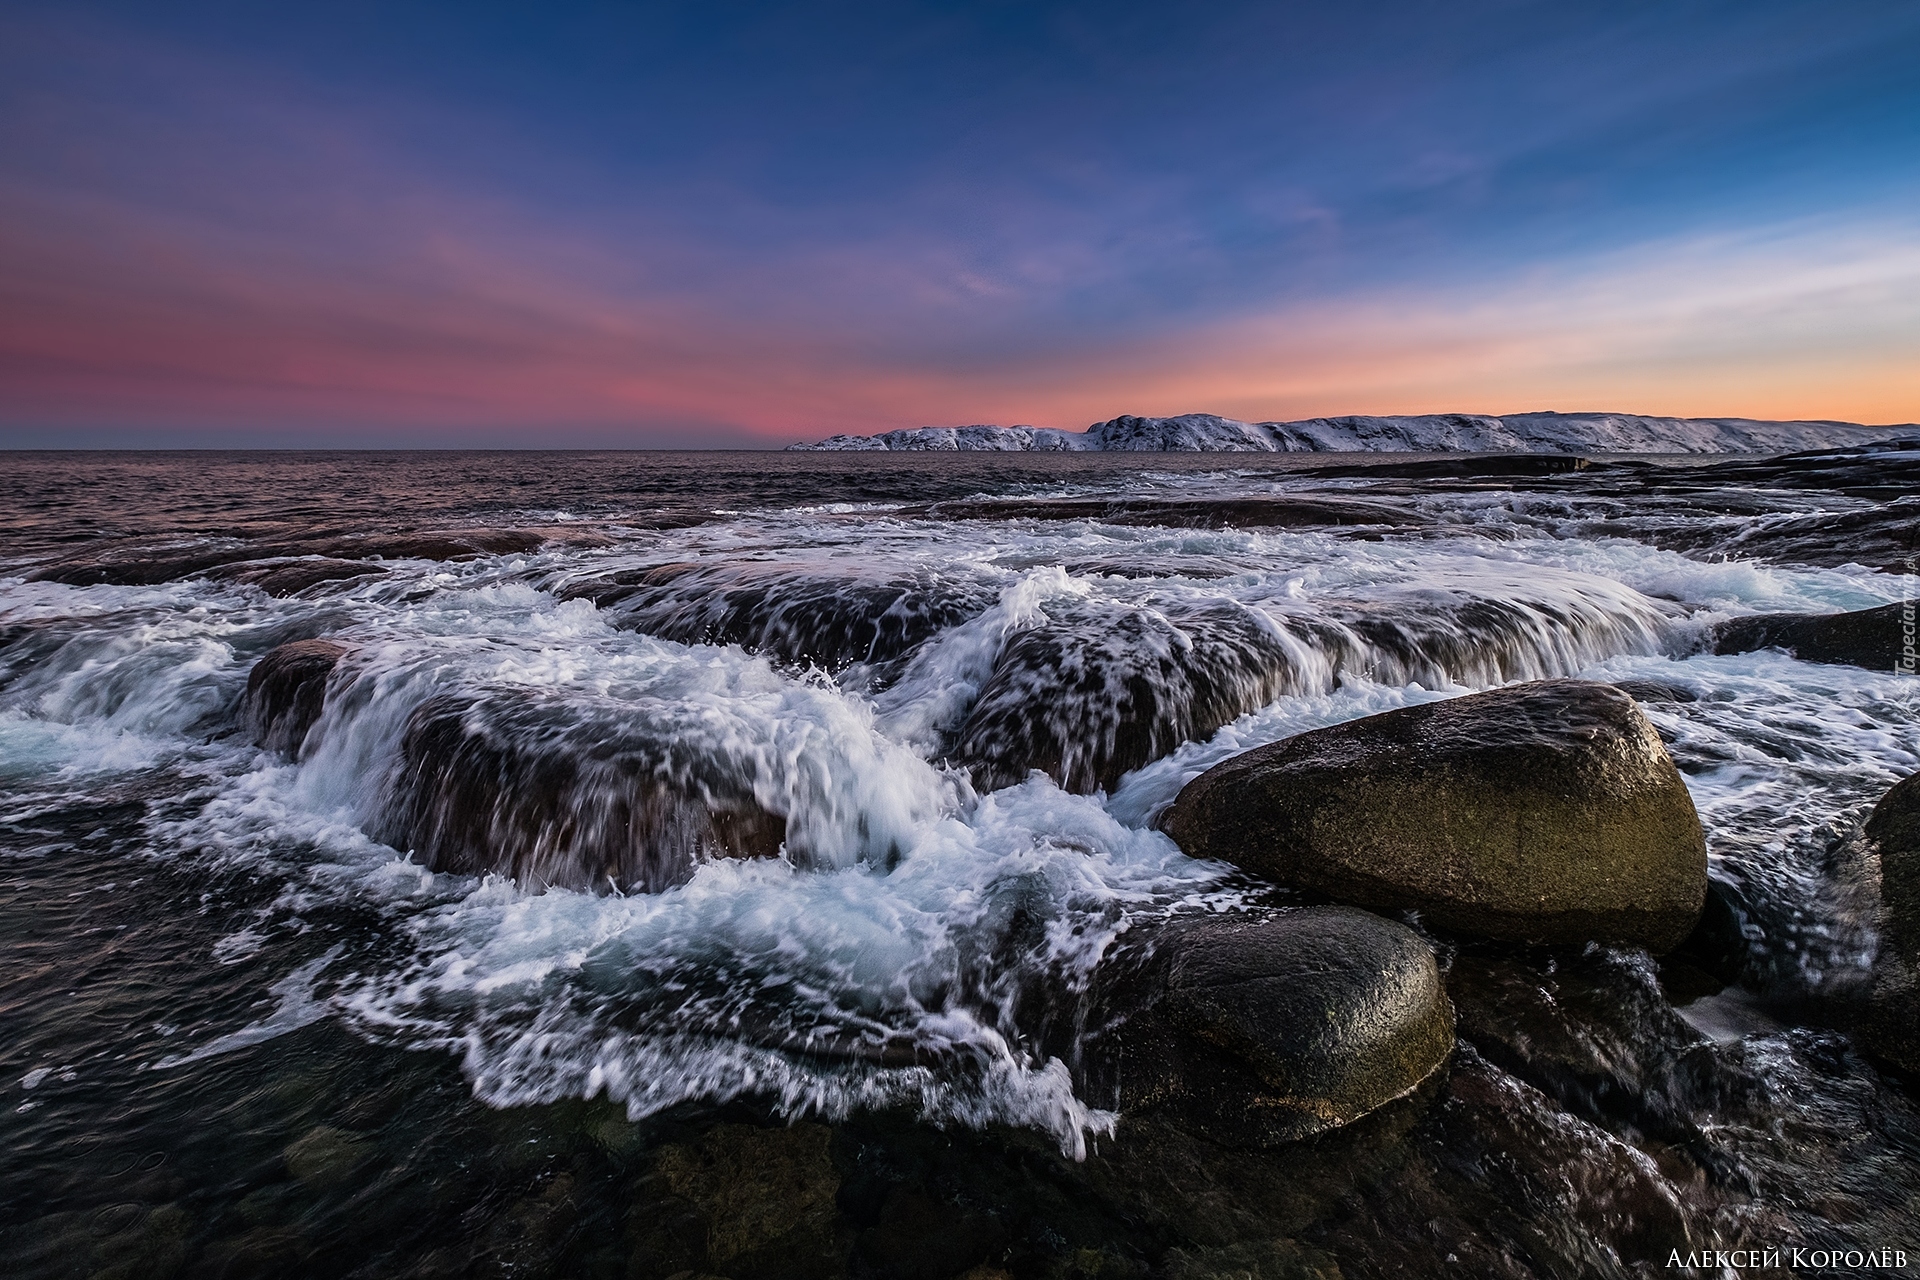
(244,1028)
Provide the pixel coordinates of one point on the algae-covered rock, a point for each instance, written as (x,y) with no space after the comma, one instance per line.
(1544,812)
(766,1199)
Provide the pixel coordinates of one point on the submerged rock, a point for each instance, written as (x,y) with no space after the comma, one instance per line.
(519,786)
(1877,639)
(759,1202)
(286,691)
(1265,1030)
(1894,829)
(1596,1033)
(1544,812)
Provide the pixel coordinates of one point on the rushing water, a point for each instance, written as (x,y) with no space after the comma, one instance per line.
(247,1029)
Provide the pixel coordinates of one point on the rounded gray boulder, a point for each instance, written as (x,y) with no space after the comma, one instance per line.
(1545,812)
(1263,1030)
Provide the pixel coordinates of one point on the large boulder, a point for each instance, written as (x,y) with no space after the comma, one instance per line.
(286,691)
(1879,639)
(1544,812)
(1259,1030)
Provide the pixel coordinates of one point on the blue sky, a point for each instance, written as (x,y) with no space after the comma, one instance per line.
(706,224)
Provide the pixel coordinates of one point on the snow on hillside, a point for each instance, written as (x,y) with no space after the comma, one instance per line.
(1428,433)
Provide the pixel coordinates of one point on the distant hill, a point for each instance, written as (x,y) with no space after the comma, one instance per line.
(1426,433)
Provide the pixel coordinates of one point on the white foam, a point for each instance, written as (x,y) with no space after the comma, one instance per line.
(910,911)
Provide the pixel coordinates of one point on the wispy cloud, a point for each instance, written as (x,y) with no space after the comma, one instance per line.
(193,241)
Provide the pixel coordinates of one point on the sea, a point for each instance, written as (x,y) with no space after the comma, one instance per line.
(300,1011)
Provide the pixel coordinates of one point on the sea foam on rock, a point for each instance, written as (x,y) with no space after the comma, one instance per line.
(522,786)
(1259,1030)
(1087,698)
(1544,812)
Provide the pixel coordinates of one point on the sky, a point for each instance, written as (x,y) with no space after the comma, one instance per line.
(742,225)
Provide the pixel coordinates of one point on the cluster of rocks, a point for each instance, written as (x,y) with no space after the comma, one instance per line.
(1541,813)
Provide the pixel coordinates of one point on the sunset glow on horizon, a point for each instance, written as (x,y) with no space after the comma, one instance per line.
(650,227)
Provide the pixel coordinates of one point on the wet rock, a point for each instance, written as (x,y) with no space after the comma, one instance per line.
(140,564)
(286,691)
(1089,698)
(1510,1186)
(1267,1030)
(1277,1259)
(1595,1033)
(524,787)
(924,1236)
(792,612)
(1892,1030)
(1877,639)
(1545,812)
(458,544)
(1655,691)
(1885,536)
(290,577)
(146,562)
(1722,943)
(529,1235)
(765,1198)
(1474,466)
(1894,830)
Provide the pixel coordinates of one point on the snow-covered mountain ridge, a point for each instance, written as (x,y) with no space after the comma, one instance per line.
(1426,433)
